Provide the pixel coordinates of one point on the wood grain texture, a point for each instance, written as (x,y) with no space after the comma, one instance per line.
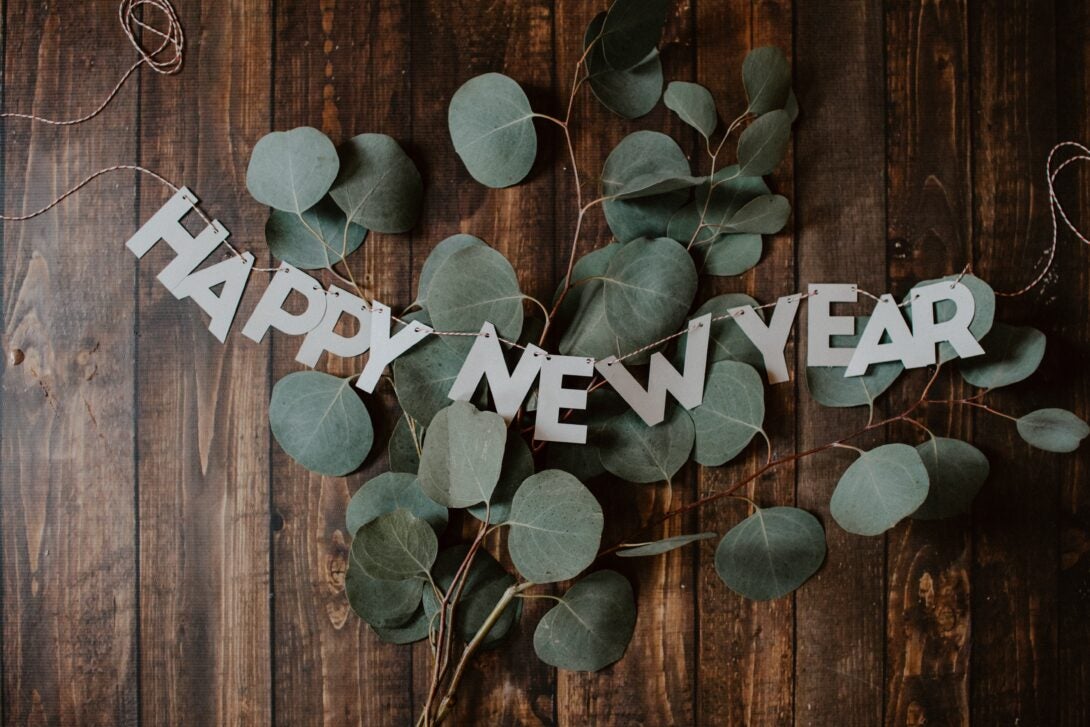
(1015,550)
(929,220)
(202,430)
(342,68)
(662,650)
(1071,342)
(745,658)
(165,563)
(840,214)
(67,454)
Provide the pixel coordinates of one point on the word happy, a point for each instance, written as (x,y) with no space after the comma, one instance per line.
(886,337)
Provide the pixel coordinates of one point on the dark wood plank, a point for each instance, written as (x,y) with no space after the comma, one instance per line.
(1070,346)
(1015,552)
(202,433)
(66,459)
(344,70)
(452,42)
(746,648)
(929,235)
(654,683)
(840,215)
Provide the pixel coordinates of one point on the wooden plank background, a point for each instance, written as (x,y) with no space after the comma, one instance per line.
(164,563)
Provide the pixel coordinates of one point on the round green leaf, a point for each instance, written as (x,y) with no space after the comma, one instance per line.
(983,310)
(636,452)
(462,456)
(728,342)
(770,553)
(638,155)
(313,240)
(292,170)
(629,219)
(767,78)
(474,285)
(591,626)
(485,582)
(320,421)
(415,629)
(830,387)
(555,527)
(385,604)
(731,254)
(731,413)
(764,215)
(663,546)
(956,471)
(693,104)
(719,203)
(402,449)
(518,464)
(395,546)
(437,257)
(648,288)
(631,30)
(378,186)
(878,490)
(1053,430)
(762,145)
(629,93)
(424,374)
(492,127)
(1011,354)
(387,493)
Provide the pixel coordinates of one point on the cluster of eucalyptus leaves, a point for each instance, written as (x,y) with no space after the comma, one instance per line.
(409,576)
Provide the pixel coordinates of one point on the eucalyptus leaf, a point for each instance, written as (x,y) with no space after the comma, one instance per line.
(693,104)
(983,310)
(384,604)
(629,93)
(378,186)
(591,265)
(518,464)
(415,629)
(463,455)
(292,170)
(956,471)
(1053,430)
(403,448)
(762,145)
(395,546)
(555,527)
(654,184)
(492,127)
(648,288)
(764,215)
(719,201)
(424,374)
(728,342)
(591,626)
(474,285)
(388,492)
(636,452)
(878,490)
(437,257)
(767,78)
(730,254)
(313,240)
(629,219)
(320,421)
(1011,354)
(770,553)
(731,413)
(663,546)
(485,583)
(830,387)
(631,30)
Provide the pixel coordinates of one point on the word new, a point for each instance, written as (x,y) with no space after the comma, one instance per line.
(886,336)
